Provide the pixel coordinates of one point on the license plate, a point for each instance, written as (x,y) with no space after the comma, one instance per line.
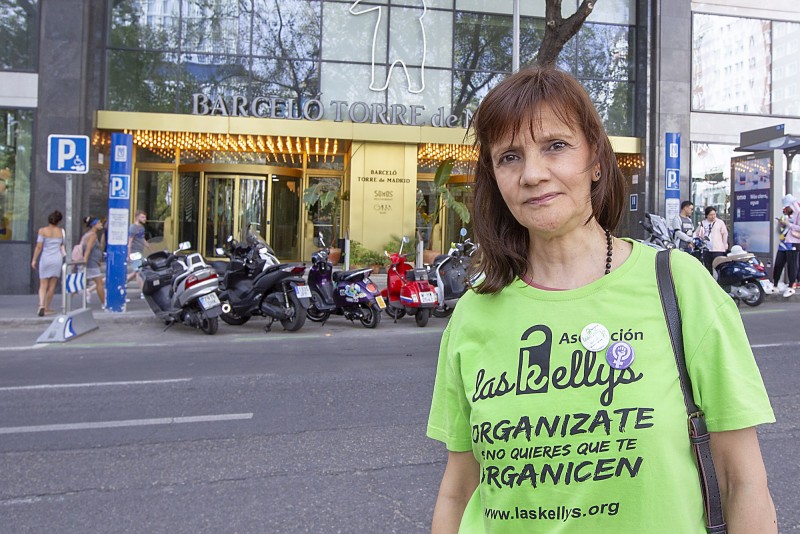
(381,303)
(302,292)
(209,301)
(427,297)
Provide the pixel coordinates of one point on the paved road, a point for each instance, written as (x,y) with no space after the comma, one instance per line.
(316,431)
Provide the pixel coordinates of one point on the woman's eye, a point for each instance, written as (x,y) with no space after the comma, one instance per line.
(558,145)
(506,158)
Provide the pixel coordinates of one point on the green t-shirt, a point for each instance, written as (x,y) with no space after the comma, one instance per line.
(565,442)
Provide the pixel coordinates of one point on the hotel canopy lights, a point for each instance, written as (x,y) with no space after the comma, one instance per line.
(274,147)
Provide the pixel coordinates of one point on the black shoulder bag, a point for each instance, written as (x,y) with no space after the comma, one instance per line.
(698,433)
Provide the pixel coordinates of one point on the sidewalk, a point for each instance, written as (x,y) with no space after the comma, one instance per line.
(20,310)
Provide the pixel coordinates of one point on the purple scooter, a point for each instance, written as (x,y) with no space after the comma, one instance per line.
(348,293)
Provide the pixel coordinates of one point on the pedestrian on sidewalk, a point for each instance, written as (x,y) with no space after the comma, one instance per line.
(48,256)
(93,255)
(792,224)
(713,228)
(136,243)
(682,227)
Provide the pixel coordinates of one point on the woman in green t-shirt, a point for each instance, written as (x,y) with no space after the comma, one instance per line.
(557,393)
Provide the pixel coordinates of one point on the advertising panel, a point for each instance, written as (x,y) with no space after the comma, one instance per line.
(751,178)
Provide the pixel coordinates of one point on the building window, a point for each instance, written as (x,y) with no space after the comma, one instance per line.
(771,66)
(711,178)
(18,35)
(16,126)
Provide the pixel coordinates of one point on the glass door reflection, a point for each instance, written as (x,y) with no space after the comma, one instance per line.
(220,194)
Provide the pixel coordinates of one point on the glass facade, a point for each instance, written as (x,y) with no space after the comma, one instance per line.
(15,173)
(711,178)
(745,65)
(18,33)
(436,54)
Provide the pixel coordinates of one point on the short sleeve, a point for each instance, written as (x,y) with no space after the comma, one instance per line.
(450,411)
(726,382)
(39,238)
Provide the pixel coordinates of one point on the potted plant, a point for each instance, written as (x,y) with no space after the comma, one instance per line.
(322,200)
(361,256)
(442,197)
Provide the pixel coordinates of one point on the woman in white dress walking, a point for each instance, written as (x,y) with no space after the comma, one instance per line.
(47,258)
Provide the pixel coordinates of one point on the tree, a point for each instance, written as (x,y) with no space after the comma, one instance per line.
(558,30)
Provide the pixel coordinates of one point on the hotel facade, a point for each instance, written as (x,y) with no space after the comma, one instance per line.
(237,107)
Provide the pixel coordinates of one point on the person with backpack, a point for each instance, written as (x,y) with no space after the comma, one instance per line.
(93,255)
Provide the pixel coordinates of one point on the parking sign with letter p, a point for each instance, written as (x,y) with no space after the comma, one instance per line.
(67,154)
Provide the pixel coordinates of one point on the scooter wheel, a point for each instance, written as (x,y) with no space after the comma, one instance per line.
(422,316)
(313,313)
(443,312)
(233,319)
(209,325)
(297,318)
(757,292)
(395,313)
(370,315)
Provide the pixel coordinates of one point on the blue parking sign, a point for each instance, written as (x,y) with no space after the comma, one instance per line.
(67,154)
(119,186)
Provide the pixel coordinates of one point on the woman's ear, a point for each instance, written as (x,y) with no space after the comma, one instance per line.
(596,174)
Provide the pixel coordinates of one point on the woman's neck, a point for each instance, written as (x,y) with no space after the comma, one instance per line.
(574,259)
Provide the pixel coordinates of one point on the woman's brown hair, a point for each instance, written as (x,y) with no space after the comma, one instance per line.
(513,104)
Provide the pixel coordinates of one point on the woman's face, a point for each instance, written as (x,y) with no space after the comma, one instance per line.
(546,182)
(712,216)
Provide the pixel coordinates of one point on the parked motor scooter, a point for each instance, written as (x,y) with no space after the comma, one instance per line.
(448,275)
(348,293)
(252,287)
(741,274)
(182,288)
(658,234)
(407,289)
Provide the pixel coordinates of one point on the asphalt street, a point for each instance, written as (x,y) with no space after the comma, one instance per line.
(131,428)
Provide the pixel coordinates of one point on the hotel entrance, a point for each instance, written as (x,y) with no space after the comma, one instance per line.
(267,203)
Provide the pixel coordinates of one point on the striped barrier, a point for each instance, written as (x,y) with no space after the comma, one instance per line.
(75,282)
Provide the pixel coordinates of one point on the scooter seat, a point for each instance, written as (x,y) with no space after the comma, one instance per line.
(719,260)
(351,275)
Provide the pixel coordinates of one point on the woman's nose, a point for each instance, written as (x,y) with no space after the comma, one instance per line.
(533,171)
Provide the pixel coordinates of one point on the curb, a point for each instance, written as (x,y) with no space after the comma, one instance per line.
(101,318)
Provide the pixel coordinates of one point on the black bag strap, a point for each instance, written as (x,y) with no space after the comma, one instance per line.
(698,433)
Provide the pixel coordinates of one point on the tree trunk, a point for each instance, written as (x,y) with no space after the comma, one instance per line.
(558,30)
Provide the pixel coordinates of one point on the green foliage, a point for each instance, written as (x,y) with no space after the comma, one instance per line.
(442,197)
(394,245)
(361,256)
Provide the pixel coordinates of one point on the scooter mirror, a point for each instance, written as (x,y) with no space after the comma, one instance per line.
(219,251)
(385,253)
(463,232)
(185,245)
(136,256)
(230,238)
(405,239)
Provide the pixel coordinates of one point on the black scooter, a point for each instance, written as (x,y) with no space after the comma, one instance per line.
(250,288)
(448,274)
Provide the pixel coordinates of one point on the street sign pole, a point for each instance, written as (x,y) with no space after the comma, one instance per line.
(68,216)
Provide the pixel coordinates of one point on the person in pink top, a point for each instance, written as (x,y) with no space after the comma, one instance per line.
(792,209)
(715,230)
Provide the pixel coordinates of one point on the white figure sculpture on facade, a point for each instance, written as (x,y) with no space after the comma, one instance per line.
(355,9)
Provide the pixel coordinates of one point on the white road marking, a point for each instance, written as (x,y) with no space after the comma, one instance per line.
(770,345)
(126,423)
(95,384)
(30,347)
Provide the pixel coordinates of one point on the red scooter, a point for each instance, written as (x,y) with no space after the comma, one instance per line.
(407,289)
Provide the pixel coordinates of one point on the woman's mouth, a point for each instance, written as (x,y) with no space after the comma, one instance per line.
(541,199)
